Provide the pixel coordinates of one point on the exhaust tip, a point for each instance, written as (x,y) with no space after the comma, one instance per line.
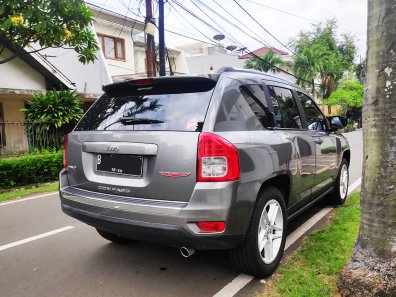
(186,252)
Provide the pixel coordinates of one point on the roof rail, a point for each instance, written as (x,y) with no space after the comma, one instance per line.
(235,69)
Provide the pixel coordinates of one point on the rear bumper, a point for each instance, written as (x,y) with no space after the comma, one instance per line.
(171,223)
(171,235)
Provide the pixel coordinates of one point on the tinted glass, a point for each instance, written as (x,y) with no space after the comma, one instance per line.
(285,108)
(315,118)
(174,112)
(242,110)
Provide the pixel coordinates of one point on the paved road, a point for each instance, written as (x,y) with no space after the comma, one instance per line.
(78,262)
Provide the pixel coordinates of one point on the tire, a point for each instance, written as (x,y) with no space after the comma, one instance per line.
(340,192)
(247,258)
(114,238)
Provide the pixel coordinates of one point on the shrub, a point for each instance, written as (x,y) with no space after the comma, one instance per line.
(30,169)
(50,116)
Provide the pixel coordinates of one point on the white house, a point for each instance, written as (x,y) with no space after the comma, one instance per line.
(51,69)
(203,58)
(123,45)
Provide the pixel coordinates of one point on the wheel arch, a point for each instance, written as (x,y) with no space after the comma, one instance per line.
(347,156)
(280,181)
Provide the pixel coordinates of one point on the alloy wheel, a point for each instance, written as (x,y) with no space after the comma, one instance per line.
(270,231)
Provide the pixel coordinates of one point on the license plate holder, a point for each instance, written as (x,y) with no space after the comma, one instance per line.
(120,164)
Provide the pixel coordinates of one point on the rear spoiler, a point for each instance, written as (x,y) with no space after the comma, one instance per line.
(163,85)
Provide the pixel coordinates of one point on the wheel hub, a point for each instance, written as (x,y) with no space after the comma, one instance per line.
(270,231)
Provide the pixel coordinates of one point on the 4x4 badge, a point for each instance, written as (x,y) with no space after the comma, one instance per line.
(174,174)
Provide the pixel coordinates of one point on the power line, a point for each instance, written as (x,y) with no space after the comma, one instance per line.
(239,28)
(247,51)
(195,15)
(174,10)
(126,16)
(223,30)
(299,16)
(263,27)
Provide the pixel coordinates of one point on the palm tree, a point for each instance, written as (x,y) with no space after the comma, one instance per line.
(372,269)
(308,64)
(268,62)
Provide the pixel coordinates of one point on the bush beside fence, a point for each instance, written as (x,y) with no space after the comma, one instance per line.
(30,169)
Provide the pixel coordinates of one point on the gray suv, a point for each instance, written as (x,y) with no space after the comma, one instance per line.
(218,161)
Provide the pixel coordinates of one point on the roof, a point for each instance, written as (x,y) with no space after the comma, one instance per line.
(56,79)
(102,13)
(262,51)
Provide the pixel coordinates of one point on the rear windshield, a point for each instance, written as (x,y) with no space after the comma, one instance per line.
(170,112)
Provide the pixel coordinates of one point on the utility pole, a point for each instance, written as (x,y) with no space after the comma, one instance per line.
(149,39)
(161,37)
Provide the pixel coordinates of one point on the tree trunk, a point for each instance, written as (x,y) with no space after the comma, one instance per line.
(313,90)
(372,269)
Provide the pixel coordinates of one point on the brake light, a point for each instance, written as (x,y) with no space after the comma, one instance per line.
(143,81)
(65,151)
(217,159)
(211,226)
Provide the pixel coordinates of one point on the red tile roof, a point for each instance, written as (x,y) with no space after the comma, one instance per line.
(263,50)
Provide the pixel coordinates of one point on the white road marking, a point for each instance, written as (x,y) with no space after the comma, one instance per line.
(33,238)
(234,286)
(355,185)
(242,280)
(300,231)
(27,199)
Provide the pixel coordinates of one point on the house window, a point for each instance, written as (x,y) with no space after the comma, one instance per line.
(113,47)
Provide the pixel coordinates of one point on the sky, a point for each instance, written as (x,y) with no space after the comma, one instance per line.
(283,19)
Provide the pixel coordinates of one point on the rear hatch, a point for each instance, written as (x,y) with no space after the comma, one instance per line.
(140,139)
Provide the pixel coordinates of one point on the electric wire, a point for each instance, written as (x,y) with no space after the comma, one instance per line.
(258,38)
(299,16)
(280,42)
(126,16)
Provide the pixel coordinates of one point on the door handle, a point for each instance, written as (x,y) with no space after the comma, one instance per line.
(318,141)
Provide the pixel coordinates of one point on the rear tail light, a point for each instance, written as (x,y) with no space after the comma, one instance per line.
(217,159)
(211,226)
(65,151)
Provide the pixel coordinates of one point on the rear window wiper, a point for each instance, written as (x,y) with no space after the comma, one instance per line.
(134,121)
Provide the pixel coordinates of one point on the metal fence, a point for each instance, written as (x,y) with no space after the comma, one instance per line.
(18,137)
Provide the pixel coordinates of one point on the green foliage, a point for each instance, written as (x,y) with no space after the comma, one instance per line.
(313,270)
(268,62)
(308,64)
(21,192)
(51,23)
(335,58)
(29,169)
(349,94)
(51,116)
(350,97)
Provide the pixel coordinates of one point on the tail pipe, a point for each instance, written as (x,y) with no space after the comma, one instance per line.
(187,252)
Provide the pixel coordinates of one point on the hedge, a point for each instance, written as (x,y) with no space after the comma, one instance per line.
(30,169)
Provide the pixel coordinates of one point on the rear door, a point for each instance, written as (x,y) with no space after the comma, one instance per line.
(288,124)
(140,139)
(326,146)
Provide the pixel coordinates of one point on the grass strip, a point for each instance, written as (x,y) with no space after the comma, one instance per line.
(313,270)
(21,192)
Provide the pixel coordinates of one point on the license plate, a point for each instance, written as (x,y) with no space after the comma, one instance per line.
(119,164)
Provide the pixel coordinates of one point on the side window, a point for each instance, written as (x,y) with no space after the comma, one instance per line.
(242,110)
(285,108)
(315,118)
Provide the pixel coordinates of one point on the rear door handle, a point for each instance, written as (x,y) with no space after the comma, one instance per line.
(318,141)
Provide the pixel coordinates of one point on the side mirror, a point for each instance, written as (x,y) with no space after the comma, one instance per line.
(337,122)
